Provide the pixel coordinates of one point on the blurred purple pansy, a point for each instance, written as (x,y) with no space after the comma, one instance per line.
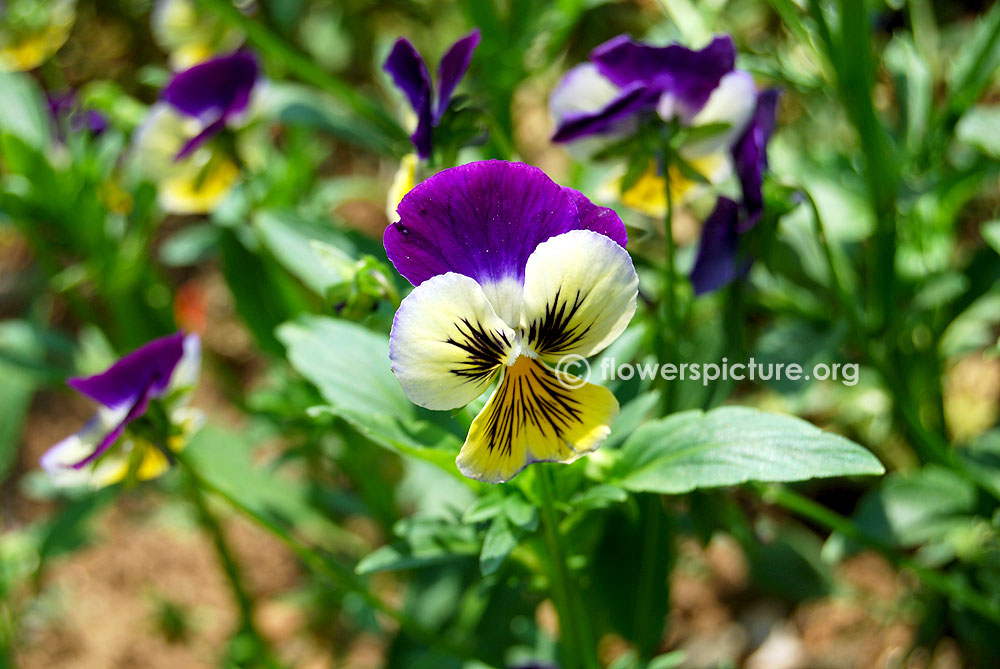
(626,79)
(409,72)
(65,109)
(214,92)
(720,259)
(513,273)
(160,369)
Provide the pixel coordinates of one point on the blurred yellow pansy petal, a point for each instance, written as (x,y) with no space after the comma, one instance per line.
(402,183)
(199,190)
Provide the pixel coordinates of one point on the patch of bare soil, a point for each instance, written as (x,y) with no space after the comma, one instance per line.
(103,603)
(718,620)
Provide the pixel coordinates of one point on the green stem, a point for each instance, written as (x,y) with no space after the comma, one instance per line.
(578,647)
(669,329)
(334,573)
(234,575)
(821,515)
(271,44)
(654,570)
(855,80)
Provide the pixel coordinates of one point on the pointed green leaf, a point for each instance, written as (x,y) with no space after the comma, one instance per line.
(732,445)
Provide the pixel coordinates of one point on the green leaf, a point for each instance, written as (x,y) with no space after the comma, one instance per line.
(733,445)
(265,297)
(980,129)
(913,509)
(789,565)
(290,239)
(294,104)
(423,542)
(70,528)
(22,112)
(486,507)
(674,658)
(632,414)
(598,497)
(226,460)
(189,245)
(521,512)
(17,342)
(497,545)
(914,82)
(991,231)
(975,62)
(350,366)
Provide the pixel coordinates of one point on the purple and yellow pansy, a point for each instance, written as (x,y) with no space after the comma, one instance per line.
(513,274)
(110,445)
(174,147)
(627,83)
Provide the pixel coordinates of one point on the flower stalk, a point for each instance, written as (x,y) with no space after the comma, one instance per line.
(578,646)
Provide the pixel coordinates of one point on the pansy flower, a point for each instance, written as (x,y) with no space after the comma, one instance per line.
(68,113)
(720,259)
(627,83)
(31,31)
(173,146)
(514,274)
(409,72)
(124,435)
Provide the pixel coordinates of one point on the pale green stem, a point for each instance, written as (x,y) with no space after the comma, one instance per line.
(578,646)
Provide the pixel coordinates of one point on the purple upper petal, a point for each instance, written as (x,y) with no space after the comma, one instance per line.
(131,382)
(750,156)
(452,68)
(603,220)
(719,261)
(217,88)
(409,72)
(137,409)
(690,75)
(484,219)
(635,99)
(147,369)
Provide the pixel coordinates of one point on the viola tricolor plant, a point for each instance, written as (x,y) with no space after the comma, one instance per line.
(513,274)
(153,179)
(174,145)
(142,418)
(410,74)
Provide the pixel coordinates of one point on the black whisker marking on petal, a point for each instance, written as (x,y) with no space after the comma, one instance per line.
(529,396)
(486,350)
(552,333)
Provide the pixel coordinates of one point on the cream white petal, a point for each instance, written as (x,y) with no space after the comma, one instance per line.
(447,342)
(583,90)
(732,102)
(580,292)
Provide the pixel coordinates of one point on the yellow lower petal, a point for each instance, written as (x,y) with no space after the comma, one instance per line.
(648,195)
(535,415)
(201,192)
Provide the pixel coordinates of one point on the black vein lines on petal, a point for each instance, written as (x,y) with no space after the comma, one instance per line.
(553,333)
(530,396)
(485,349)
